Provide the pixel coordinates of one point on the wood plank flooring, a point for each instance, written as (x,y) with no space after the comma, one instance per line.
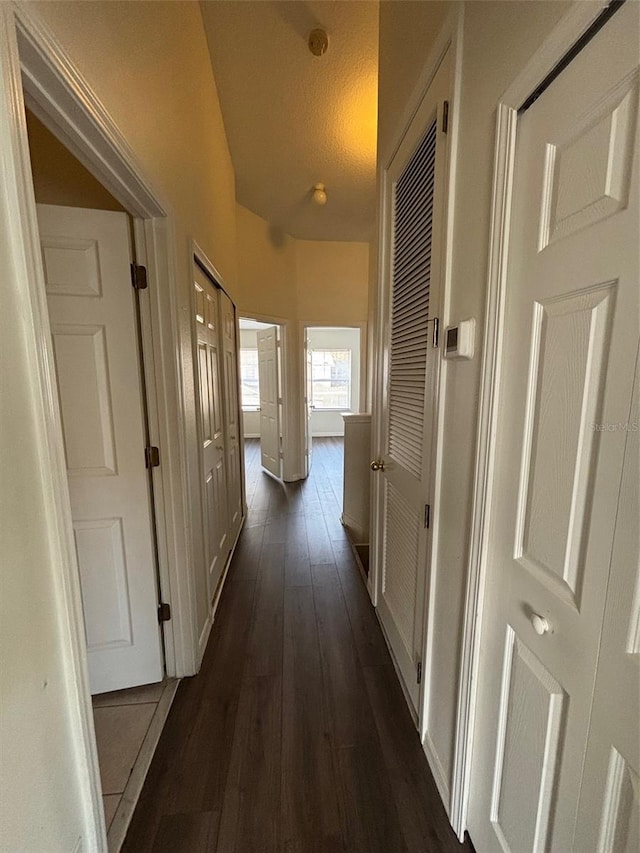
(295,736)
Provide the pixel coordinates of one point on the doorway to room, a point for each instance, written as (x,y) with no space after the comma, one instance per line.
(103,383)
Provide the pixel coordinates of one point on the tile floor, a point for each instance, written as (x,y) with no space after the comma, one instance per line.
(122,720)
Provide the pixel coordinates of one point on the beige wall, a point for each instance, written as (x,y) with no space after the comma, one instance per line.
(499,37)
(266,261)
(58,178)
(331,282)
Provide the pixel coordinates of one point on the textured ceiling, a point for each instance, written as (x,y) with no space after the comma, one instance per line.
(293,119)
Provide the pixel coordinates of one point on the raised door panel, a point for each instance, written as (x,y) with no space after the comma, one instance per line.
(528,748)
(104,582)
(85,399)
(570,345)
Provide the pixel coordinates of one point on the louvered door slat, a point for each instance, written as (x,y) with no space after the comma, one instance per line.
(411,277)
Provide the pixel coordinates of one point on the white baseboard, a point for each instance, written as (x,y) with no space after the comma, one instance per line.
(333,434)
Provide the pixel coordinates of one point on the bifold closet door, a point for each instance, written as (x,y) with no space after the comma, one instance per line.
(231,414)
(212,432)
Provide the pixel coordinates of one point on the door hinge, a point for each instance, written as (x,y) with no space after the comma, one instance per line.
(445,117)
(427,516)
(139,277)
(419,672)
(164,612)
(152,457)
(436,331)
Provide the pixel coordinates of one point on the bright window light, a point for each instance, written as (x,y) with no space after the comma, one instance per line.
(331,379)
(249,381)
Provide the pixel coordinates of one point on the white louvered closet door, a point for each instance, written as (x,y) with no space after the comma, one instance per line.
(415,182)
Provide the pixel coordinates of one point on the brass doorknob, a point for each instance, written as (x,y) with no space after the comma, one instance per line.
(377,465)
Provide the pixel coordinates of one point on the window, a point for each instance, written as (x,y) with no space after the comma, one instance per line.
(249,382)
(331,379)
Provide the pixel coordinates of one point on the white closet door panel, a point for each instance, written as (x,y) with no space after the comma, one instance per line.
(571,335)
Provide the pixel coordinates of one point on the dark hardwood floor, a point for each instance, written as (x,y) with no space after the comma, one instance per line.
(295,736)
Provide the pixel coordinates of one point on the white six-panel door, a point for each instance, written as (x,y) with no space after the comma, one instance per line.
(269,396)
(86,257)
(416,180)
(558,526)
(212,433)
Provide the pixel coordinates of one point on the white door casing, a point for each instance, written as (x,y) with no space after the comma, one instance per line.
(269,400)
(570,340)
(212,434)
(86,258)
(415,184)
(232,420)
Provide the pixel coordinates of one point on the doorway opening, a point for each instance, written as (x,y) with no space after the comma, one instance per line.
(87,242)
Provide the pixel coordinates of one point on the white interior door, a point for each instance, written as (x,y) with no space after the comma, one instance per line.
(308,394)
(212,434)
(416,189)
(571,337)
(269,400)
(609,808)
(232,422)
(86,256)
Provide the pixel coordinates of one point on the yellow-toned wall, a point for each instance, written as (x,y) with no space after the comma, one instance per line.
(149,65)
(265,268)
(58,177)
(321,282)
(499,38)
(332,282)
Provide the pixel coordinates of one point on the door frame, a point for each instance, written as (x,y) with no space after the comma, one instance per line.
(450,38)
(564,35)
(41,74)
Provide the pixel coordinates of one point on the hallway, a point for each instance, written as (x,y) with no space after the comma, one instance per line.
(295,735)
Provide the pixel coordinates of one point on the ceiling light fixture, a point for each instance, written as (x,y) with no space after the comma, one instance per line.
(319,194)
(318,42)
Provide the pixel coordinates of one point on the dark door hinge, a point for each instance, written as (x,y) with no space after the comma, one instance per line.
(164,612)
(445,117)
(139,277)
(436,331)
(427,516)
(152,457)
(419,672)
